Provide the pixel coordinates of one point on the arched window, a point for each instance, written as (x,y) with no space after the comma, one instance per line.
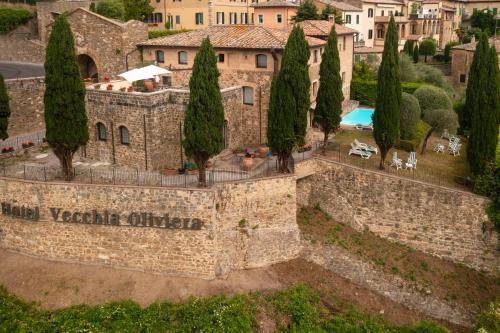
(124,138)
(248,95)
(261,61)
(370,12)
(101,131)
(160,57)
(183,58)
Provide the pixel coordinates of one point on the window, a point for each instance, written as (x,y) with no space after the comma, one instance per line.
(279,18)
(160,57)
(348,19)
(380,32)
(124,138)
(101,132)
(248,95)
(357,19)
(158,17)
(183,58)
(260,17)
(462,78)
(315,56)
(232,18)
(220,57)
(390,13)
(370,34)
(170,21)
(382,13)
(370,12)
(261,60)
(177,19)
(357,58)
(244,18)
(220,18)
(198,18)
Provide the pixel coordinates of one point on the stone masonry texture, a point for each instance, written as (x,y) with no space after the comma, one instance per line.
(435,220)
(268,233)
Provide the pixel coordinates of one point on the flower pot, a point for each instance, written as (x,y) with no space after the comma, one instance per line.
(263,151)
(109,87)
(247,163)
(130,89)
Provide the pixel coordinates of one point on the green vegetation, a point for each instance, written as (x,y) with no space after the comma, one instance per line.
(416,54)
(307,11)
(387,106)
(205,113)
(439,120)
(366,91)
(136,9)
(447,50)
(488,184)
(162,33)
(330,97)
(329,10)
(412,144)
(407,69)
(409,116)
(64,99)
(489,320)
(427,48)
(432,98)
(408,48)
(4,110)
(483,20)
(11,18)
(110,8)
(432,75)
(290,101)
(298,309)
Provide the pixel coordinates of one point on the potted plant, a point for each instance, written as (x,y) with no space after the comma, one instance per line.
(123,89)
(27,144)
(7,149)
(190,168)
(97,86)
(130,89)
(109,87)
(247,162)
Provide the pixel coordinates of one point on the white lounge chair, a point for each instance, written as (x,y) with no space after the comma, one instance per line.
(358,151)
(454,148)
(396,162)
(439,147)
(412,161)
(365,147)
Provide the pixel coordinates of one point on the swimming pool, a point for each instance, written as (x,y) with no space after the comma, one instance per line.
(358,116)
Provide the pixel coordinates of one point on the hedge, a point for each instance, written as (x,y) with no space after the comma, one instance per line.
(412,145)
(162,33)
(11,18)
(366,91)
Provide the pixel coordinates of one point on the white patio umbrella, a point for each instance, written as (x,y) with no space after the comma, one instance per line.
(143,73)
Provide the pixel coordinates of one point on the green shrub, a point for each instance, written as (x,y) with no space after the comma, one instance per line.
(162,33)
(110,8)
(11,18)
(407,69)
(409,116)
(412,145)
(489,185)
(362,70)
(365,91)
(447,50)
(432,98)
(458,107)
(489,321)
(432,75)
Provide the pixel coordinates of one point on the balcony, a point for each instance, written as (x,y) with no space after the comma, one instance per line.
(360,43)
(421,16)
(385,19)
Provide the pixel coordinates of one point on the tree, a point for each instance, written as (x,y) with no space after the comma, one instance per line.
(330,97)
(409,116)
(4,110)
(447,50)
(386,115)
(137,9)
(110,8)
(481,148)
(407,70)
(416,54)
(64,99)
(427,48)
(438,120)
(329,10)
(432,98)
(477,83)
(290,100)
(408,48)
(307,11)
(204,118)
(484,20)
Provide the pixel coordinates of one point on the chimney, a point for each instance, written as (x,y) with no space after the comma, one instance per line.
(331,18)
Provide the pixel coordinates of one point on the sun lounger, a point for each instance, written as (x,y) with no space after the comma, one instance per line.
(357,151)
(396,162)
(412,161)
(365,147)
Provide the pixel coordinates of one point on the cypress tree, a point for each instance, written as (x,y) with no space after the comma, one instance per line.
(307,11)
(416,54)
(483,140)
(477,83)
(204,121)
(330,97)
(290,100)
(386,115)
(4,110)
(65,117)
(408,48)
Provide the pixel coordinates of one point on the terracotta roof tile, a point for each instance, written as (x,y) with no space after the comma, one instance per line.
(322,28)
(472,46)
(231,36)
(276,3)
(366,49)
(343,6)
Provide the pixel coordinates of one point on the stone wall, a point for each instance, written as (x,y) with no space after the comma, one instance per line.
(154,122)
(26,105)
(244,225)
(436,220)
(21,49)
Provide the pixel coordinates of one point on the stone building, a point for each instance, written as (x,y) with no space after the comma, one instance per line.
(461,59)
(276,14)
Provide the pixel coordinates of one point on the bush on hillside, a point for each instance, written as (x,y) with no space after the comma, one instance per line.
(489,185)
(362,70)
(110,8)
(489,320)
(11,18)
(407,69)
(447,50)
(365,91)
(162,33)
(432,98)
(432,75)
(412,145)
(409,116)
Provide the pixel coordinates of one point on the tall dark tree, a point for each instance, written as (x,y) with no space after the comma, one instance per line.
(330,10)
(387,108)
(204,119)
(416,54)
(290,100)
(427,48)
(408,48)
(483,140)
(4,110)
(330,97)
(137,9)
(307,11)
(64,99)
(477,83)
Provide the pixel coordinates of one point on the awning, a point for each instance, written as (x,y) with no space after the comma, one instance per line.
(143,73)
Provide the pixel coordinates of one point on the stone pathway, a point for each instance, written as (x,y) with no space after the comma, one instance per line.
(415,297)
